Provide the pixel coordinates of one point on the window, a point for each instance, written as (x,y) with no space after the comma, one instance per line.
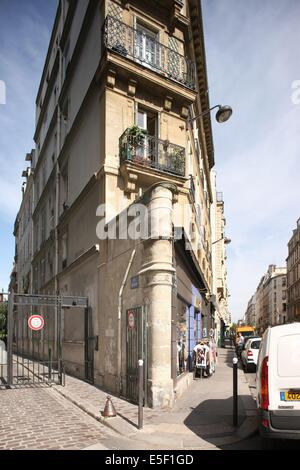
(44,174)
(66,57)
(64,250)
(284,295)
(65,111)
(43,225)
(37,188)
(148,120)
(65,186)
(182,337)
(42,272)
(147,46)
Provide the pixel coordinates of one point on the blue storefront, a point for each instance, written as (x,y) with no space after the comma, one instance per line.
(189,314)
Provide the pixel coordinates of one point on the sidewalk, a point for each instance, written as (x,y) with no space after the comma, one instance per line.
(200,419)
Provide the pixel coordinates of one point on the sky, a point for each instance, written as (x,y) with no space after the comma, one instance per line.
(25,28)
(252,49)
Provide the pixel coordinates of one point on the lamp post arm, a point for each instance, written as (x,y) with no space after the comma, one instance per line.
(205,112)
(217,241)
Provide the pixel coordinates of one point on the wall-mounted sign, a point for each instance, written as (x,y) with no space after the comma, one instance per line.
(36,322)
(134,282)
(130,319)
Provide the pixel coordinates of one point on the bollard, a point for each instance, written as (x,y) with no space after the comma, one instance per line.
(109,409)
(235,391)
(141,393)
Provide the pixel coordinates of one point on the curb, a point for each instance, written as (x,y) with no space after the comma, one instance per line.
(247,428)
(113,425)
(119,425)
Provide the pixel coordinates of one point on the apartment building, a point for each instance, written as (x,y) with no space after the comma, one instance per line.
(271,298)
(293,275)
(21,276)
(117,126)
(219,261)
(250,315)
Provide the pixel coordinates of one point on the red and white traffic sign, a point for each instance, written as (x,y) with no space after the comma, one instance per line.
(130,320)
(36,322)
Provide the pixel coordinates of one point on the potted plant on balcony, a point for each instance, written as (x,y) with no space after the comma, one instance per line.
(135,139)
(177,161)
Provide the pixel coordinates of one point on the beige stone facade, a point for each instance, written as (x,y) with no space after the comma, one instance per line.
(271,299)
(21,278)
(250,315)
(293,275)
(112,69)
(219,261)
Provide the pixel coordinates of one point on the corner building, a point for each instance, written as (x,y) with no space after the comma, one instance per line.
(113,69)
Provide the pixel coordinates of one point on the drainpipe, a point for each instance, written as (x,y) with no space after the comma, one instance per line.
(119,345)
(57,197)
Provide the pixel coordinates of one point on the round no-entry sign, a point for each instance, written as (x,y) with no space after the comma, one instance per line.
(131,320)
(36,322)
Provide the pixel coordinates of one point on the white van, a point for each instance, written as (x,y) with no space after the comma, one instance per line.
(278,382)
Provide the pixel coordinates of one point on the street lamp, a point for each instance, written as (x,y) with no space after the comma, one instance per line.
(222,115)
(226,240)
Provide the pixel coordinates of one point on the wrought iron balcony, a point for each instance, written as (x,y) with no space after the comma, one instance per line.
(151,152)
(147,51)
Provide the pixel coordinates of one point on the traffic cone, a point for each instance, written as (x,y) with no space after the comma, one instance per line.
(109,409)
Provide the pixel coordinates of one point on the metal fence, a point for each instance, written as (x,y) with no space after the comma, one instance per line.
(34,356)
(142,48)
(152,152)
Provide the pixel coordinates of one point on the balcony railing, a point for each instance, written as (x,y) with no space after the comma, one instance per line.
(145,50)
(153,153)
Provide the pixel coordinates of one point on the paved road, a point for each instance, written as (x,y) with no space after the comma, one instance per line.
(40,418)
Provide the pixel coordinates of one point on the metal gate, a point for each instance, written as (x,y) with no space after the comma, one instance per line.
(90,345)
(35,357)
(136,347)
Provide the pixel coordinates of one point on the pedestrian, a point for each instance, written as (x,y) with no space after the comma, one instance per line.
(240,344)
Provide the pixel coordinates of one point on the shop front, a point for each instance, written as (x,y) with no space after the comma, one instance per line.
(190,318)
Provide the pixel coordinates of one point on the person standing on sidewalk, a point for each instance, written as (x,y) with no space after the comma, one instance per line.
(240,344)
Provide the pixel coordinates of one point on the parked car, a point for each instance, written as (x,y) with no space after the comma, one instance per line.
(278,383)
(249,354)
(240,349)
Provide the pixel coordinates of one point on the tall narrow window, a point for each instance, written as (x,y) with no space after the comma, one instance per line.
(65,186)
(64,250)
(147,46)
(148,147)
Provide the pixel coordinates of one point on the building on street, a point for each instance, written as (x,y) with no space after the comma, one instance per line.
(271,299)
(250,315)
(118,127)
(219,262)
(293,275)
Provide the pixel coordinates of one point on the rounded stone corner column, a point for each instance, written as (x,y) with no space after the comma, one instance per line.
(158,273)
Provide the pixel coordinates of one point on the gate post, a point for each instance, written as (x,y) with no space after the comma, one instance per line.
(10,325)
(59,337)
